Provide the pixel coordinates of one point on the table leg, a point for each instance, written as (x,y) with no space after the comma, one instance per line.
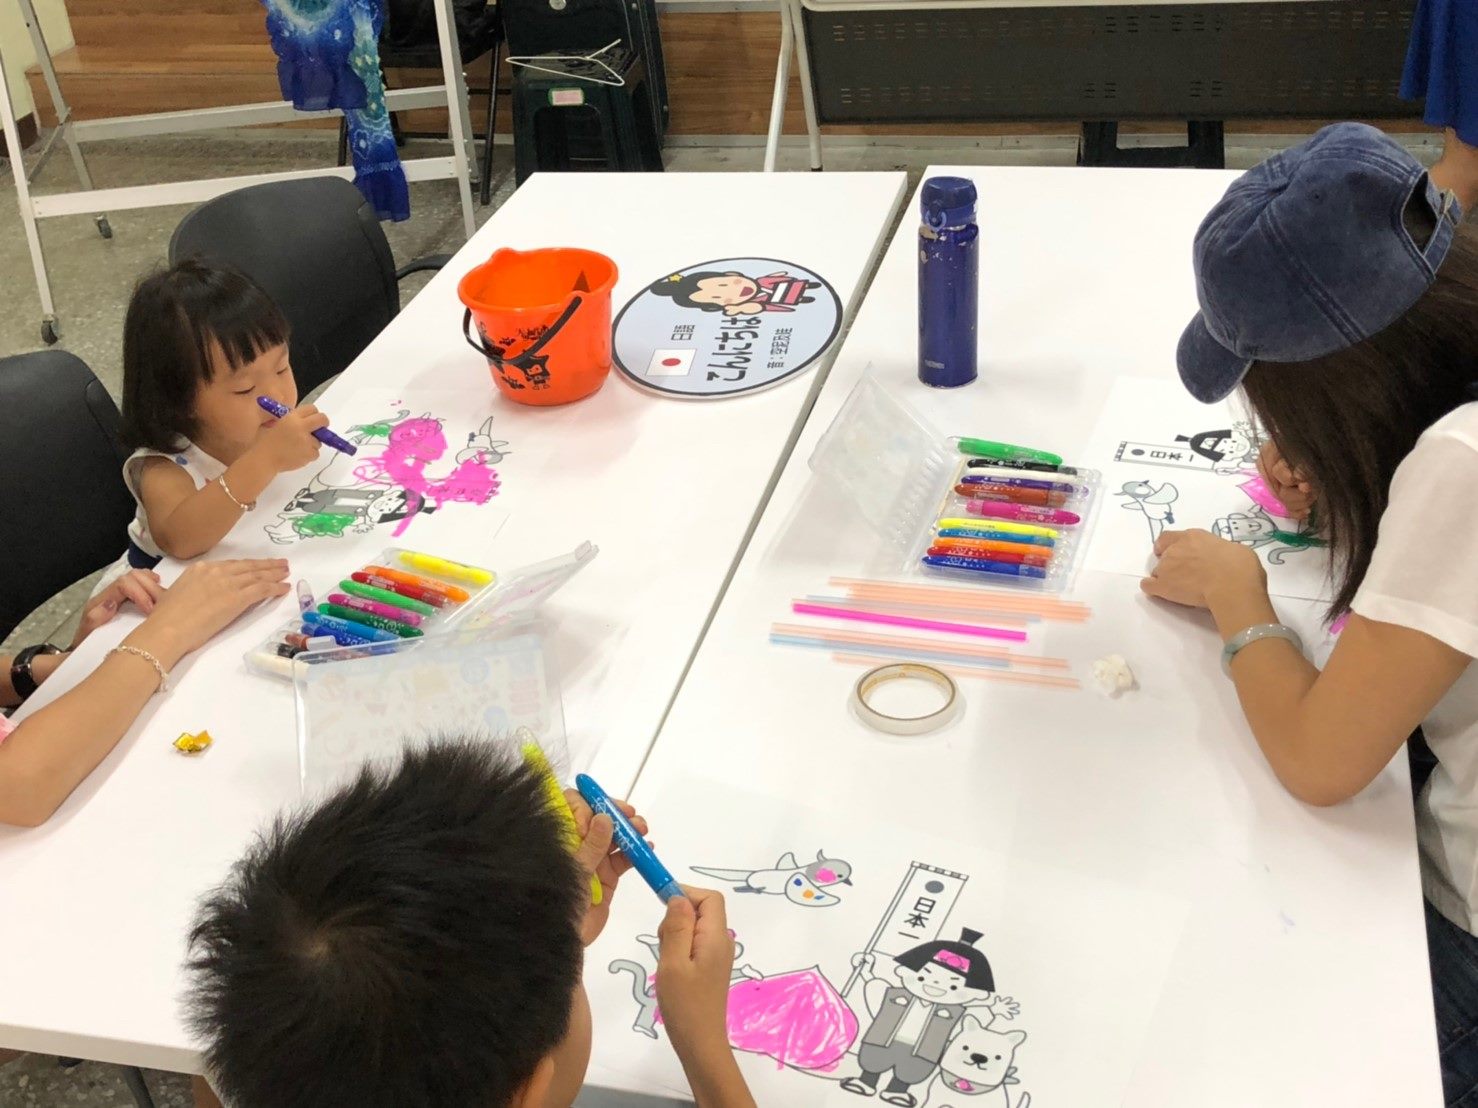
(459,123)
(28,213)
(782,88)
(803,63)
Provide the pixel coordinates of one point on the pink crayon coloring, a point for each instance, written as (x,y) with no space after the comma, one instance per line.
(1023,513)
(1258,492)
(389,611)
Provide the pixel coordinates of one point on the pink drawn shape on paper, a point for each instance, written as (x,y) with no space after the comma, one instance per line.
(413,445)
(796,1018)
(1258,492)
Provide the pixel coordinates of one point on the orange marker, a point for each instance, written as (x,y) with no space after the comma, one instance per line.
(400,577)
(978,547)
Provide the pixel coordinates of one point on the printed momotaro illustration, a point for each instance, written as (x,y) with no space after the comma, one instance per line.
(797,1018)
(1154,501)
(734,293)
(1256,529)
(1230,450)
(978,1061)
(359,492)
(800,884)
(644,984)
(915,1020)
(1227,450)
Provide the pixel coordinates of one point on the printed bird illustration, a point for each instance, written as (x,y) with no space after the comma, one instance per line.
(803,885)
(1154,501)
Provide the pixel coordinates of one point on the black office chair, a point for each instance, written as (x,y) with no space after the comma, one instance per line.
(315,245)
(409,41)
(64,509)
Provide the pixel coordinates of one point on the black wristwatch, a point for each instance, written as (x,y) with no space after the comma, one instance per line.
(21,678)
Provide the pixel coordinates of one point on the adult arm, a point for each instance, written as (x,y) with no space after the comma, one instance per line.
(50,753)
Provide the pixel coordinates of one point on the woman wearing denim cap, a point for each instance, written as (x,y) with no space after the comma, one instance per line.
(1340,293)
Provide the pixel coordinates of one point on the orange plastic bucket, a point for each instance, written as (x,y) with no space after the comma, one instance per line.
(543,321)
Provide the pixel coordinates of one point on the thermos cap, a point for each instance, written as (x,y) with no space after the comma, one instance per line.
(948,201)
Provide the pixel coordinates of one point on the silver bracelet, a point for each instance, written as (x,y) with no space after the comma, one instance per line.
(146,656)
(231,496)
(1243,639)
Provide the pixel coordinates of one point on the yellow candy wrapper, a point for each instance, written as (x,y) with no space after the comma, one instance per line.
(193,744)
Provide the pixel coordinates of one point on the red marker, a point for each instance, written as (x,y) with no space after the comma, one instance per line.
(1011,494)
(949,550)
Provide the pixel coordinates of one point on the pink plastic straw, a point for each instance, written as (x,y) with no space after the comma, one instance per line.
(909,621)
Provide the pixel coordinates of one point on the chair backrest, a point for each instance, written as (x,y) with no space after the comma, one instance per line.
(532,27)
(316,247)
(64,509)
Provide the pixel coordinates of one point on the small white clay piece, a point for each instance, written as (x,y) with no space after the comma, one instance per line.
(1112,675)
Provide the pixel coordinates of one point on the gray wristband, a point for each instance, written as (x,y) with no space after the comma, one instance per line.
(1242,639)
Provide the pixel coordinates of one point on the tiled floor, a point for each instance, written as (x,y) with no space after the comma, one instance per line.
(92,277)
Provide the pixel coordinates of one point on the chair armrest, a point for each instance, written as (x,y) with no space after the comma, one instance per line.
(421,265)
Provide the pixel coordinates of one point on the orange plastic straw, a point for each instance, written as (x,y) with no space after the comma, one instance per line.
(963,598)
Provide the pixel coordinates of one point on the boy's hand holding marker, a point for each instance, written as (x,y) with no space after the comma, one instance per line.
(599,856)
(694,966)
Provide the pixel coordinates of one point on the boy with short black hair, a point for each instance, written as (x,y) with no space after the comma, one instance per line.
(416,940)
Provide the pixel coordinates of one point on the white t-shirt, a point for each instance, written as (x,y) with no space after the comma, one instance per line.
(1424,575)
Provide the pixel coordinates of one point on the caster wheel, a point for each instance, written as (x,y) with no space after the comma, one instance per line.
(104,227)
(48,332)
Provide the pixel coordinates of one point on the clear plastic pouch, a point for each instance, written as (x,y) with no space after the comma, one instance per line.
(364,705)
(902,475)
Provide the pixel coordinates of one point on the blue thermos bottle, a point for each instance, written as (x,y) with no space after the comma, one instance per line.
(949,282)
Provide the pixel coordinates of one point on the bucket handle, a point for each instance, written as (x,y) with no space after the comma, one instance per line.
(526,360)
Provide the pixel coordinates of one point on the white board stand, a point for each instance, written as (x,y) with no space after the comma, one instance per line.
(452,93)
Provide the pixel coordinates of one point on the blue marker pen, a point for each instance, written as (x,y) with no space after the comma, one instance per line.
(976,565)
(333,625)
(632,845)
(323,434)
(998,536)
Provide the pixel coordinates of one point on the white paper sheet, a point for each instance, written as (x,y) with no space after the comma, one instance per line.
(1081,959)
(1170,462)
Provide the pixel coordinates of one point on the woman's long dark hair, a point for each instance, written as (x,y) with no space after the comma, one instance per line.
(1348,419)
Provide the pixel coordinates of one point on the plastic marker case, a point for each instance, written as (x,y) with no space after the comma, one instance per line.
(370,616)
(937,515)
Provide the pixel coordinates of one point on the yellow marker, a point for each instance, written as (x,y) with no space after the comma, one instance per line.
(427,563)
(193,744)
(979,524)
(534,758)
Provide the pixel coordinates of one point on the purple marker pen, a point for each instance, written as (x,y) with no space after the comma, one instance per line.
(323,434)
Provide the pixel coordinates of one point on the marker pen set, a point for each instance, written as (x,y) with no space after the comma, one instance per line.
(1013,515)
(402,594)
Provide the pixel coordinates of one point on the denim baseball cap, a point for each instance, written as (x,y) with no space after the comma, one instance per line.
(1312,252)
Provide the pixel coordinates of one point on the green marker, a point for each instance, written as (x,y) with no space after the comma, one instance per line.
(385,596)
(1005,452)
(1297,538)
(338,611)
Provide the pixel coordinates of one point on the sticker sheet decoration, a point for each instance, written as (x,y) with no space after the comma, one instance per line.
(799,884)
(395,484)
(725,327)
